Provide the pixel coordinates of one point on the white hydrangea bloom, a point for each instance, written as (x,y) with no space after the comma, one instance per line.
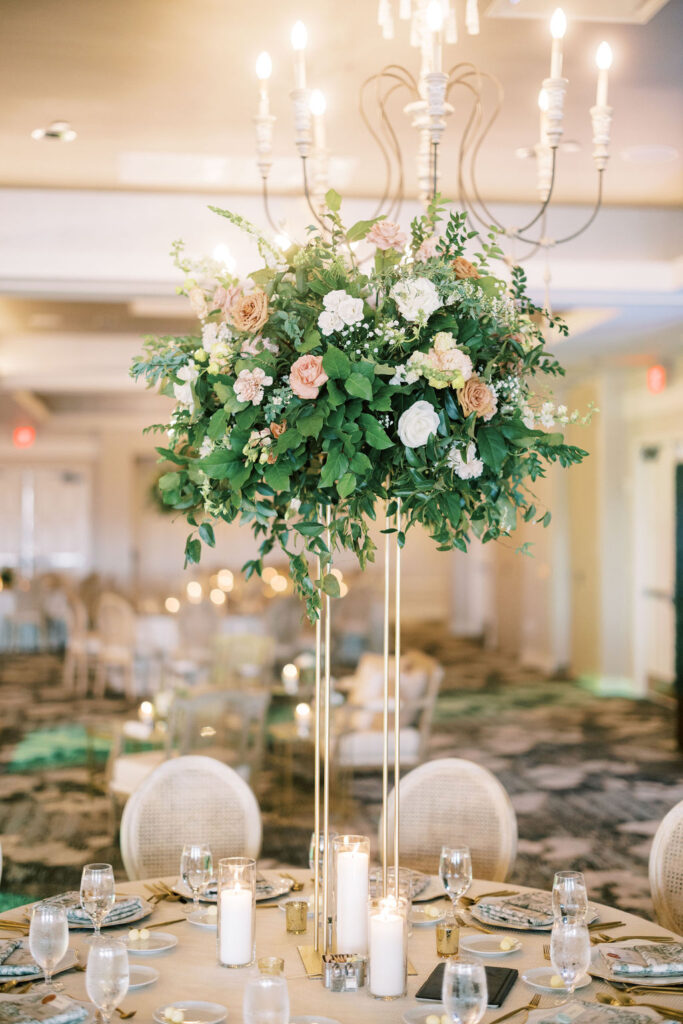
(416,298)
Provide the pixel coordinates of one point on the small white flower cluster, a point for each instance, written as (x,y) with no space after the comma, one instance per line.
(402,375)
(468,468)
(206,447)
(360,339)
(341,310)
(215,334)
(385,420)
(277,399)
(508,388)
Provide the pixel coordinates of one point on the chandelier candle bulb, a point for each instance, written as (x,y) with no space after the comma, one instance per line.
(264,69)
(299,39)
(388,947)
(236,911)
(603,59)
(404,10)
(351,865)
(435,25)
(318,106)
(558,27)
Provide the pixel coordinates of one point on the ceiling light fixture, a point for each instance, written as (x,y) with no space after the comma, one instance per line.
(61,131)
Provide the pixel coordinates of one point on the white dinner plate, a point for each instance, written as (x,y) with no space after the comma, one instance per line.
(476,911)
(599,968)
(158,942)
(136,915)
(200,919)
(488,945)
(279,886)
(420,917)
(141,976)
(539,978)
(307,1018)
(420,1014)
(69,960)
(194,1012)
(556,1013)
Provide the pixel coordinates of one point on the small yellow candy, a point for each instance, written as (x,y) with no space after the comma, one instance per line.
(433,1018)
(507,943)
(556,981)
(212,911)
(133,935)
(144,934)
(432,912)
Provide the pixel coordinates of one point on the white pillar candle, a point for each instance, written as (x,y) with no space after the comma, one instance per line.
(352,900)
(236,927)
(387,953)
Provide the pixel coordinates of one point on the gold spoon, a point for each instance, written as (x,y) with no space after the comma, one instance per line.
(471,901)
(614,1000)
(296,886)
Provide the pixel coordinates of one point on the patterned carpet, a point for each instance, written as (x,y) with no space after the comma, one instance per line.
(590,777)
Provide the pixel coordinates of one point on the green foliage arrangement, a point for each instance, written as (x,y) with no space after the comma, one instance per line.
(327,385)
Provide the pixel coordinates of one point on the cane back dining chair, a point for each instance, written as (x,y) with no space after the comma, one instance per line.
(188,799)
(666,870)
(453,802)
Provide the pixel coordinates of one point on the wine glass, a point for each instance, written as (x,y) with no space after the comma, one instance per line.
(570,898)
(464,992)
(48,937)
(97,892)
(266,1000)
(321,850)
(455,868)
(196,868)
(107,975)
(570,951)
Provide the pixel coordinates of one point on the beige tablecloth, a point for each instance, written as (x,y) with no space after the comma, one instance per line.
(190,970)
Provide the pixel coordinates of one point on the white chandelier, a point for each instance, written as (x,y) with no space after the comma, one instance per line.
(433,24)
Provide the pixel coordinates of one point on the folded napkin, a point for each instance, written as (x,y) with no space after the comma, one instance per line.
(589,1013)
(30,1009)
(121,911)
(16,960)
(210,890)
(409,881)
(530,909)
(653,960)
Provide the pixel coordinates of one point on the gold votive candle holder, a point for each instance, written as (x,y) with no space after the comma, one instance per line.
(296,914)
(274,965)
(447,936)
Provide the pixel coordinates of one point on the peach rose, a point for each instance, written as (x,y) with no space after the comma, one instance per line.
(427,249)
(223,298)
(386,235)
(476,396)
(277,429)
(463,268)
(250,312)
(307,376)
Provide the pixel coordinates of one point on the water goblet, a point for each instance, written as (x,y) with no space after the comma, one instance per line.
(48,937)
(464,992)
(321,850)
(455,869)
(97,892)
(570,951)
(266,1000)
(570,897)
(107,975)
(196,868)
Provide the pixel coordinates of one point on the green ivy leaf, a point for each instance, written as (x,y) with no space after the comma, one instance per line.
(193,550)
(207,534)
(169,481)
(277,476)
(335,466)
(375,435)
(336,363)
(310,340)
(361,464)
(359,386)
(333,200)
(220,464)
(346,485)
(309,424)
(492,447)
(330,585)
(360,229)
(217,424)
(309,529)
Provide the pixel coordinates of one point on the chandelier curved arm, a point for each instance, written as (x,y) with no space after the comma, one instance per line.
(266,205)
(596,211)
(482,134)
(307,193)
(401,78)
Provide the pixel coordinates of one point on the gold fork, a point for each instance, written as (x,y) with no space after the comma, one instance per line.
(531,1005)
(470,901)
(477,927)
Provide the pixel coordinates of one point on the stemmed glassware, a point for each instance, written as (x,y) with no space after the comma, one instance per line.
(321,850)
(570,897)
(97,893)
(570,951)
(48,937)
(266,1000)
(464,991)
(107,975)
(196,868)
(455,869)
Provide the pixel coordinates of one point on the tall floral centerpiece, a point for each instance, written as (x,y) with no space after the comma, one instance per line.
(325,382)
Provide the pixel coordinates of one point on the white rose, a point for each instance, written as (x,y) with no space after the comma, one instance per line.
(417,424)
(332,299)
(416,298)
(468,468)
(350,310)
(329,322)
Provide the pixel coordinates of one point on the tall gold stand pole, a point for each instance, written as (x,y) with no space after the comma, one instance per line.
(397,694)
(385,711)
(316,776)
(326,752)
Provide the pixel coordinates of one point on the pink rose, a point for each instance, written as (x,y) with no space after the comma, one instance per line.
(427,249)
(307,376)
(223,298)
(386,235)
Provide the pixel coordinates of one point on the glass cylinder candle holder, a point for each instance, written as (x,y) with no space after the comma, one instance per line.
(350,874)
(236,911)
(388,947)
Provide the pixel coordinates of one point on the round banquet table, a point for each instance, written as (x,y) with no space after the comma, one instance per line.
(190,970)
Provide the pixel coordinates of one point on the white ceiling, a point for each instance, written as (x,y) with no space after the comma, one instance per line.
(162,92)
